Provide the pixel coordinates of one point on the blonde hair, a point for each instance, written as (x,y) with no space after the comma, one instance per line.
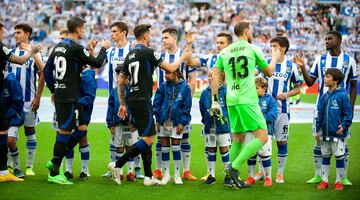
(260,81)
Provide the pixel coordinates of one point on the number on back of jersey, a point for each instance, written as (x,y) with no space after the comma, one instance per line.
(60,67)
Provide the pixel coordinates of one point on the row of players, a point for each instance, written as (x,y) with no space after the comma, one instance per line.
(281,126)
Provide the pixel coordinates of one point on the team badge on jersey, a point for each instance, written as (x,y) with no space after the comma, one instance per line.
(157,55)
(6,50)
(86,53)
(288,69)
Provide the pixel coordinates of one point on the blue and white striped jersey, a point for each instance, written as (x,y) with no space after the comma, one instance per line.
(114,56)
(26,74)
(170,58)
(344,62)
(284,73)
(208,61)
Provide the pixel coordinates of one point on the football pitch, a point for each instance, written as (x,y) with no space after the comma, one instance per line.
(299,168)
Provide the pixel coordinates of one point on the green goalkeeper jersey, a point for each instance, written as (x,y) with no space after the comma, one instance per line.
(239,61)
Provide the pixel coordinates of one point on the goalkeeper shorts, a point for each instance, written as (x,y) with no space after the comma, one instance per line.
(246,118)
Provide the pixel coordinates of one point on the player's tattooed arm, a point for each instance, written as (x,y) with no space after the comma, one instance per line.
(122,113)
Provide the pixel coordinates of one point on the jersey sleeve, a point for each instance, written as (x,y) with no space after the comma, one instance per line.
(260,59)
(125,68)
(353,70)
(156,58)
(48,72)
(86,58)
(219,63)
(203,61)
(315,68)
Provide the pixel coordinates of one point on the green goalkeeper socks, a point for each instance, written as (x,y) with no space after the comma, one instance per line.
(249,150)
(234,150)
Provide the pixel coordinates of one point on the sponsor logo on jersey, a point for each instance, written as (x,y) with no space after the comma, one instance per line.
(235,86)
(280,75)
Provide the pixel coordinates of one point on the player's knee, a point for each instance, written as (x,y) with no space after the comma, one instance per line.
(29,129)
(83,141)
(212,149)
(239,137)
(175,141)
(223,149)
(149,140)
(11,143)
(281,142)
(165,141)
(82,127)
(120,149)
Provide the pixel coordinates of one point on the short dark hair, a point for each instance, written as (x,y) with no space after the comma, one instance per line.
(261,82)
(336,74)
(1,25)
(240,27)
(141,29)
(282,41)
(73,23)
(171,30)
(25,27)
(64,31)
(226,35)
(122,26)
(336,34)
(119,68)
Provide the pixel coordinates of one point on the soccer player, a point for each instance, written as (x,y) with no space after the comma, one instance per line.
(67,59)
(216,131)
(171,54)
(223,40)
(334,58)
(27,76)
(88,88)
(114,57)
(140,64)
(239,61)
(332,124)
(286,72)
(121,135)
(172,106)
(269,109)
(5,56)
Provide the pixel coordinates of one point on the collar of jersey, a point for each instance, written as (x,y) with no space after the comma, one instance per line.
(139,46)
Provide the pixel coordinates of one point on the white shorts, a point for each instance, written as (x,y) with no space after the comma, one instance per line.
(31,118)
(123,136)
(173,133)
(266,150)
(281,127)
(220,140)
(331,147)
(13,131)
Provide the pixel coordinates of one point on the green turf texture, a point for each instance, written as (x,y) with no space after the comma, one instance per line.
(299,168)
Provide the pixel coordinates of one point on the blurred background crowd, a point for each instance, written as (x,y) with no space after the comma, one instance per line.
(304,21)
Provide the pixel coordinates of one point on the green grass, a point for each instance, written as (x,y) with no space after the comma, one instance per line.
(99,92)
(299,168)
